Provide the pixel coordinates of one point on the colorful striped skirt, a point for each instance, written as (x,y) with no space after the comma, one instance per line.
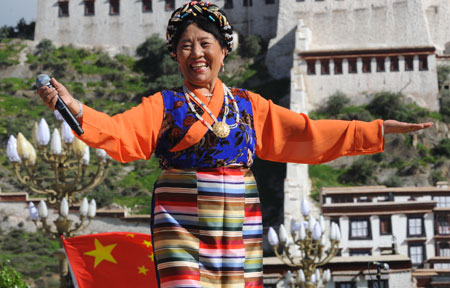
(207,229)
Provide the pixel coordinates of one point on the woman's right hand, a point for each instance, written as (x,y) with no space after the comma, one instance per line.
(48,96)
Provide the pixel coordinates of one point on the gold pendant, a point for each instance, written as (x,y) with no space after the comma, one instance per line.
(221,129)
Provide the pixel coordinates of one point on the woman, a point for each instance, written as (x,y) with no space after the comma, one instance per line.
(206,222)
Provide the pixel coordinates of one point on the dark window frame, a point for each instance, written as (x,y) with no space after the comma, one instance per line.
(438,221)
(324,66)
(247,3)
(169,5)
(395,66)
(422,233)
(409,63)
(423,62)
(338,67)
(348,284)
(311,67)
(367,64)
(228,4)
(369,229)
(381,61)
(360,252)
(270,2)
(147,6)
(424,254)
(114,7)
(63,9)
(352,65)
(374,283)
(385,219)
(89,7)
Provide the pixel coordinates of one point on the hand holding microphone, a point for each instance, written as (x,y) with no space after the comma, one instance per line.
(52,96)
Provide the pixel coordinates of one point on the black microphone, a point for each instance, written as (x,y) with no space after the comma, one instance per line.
(44,80)
(384,266)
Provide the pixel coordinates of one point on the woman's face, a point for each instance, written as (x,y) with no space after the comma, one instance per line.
(199,57)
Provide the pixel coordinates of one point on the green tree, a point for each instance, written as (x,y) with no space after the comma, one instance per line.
(335,104)
(10,278)
(154,58)
(250,46)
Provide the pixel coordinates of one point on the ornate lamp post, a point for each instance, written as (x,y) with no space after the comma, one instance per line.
(308,242)
(67,160)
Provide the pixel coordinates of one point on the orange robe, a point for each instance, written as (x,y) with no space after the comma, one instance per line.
(282,135)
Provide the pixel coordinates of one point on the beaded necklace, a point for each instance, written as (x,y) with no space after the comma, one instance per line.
(220,129)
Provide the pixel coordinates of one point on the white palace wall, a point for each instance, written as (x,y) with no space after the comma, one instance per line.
(131,26)
(359,32)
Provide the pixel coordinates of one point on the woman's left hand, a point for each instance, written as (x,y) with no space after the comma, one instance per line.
(394,126)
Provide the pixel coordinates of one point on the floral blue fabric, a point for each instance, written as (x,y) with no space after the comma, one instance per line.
(211,151)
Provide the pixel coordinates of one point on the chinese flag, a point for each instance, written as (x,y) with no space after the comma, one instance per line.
(117,259)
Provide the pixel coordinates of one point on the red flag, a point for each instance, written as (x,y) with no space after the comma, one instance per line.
(117,259)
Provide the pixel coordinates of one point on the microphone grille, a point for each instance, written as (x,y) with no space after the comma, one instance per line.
(42,80)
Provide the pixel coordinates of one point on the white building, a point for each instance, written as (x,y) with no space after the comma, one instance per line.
(413,220)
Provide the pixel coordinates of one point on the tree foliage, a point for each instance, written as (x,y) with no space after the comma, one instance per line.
(9,277)
(250,46)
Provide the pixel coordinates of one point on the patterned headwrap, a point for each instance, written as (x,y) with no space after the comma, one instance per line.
(195,9)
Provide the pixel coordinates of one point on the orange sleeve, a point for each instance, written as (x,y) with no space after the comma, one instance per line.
(126,136)
(286,136)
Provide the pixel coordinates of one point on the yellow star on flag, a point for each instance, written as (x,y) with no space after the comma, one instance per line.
(143,270)
(147,243)
(130,235)
(151,257)
(102,253)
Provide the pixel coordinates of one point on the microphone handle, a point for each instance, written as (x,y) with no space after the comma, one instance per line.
(68,116)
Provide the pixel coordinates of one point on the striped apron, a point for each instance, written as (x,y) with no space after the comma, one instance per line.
(207,228)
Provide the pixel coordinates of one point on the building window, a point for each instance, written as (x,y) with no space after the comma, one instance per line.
(360,252)
(441,266)
(423,62)
(380,64)
(382,284)
(442,201)
(89,8)
(170,5)
(147,6)
(63,10)
(394,63)
(360,229)
(311,67)
(409,63)
(337,66)
(366,68)
(325,66)
(443,226)
(443,249)
(248,3)
(229,4)
(114,7)
(416,253)
(342,199)
(345,284)
(415,226)
(270,1)
(385,225)
(352,68)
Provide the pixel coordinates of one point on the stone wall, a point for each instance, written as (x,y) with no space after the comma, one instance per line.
(125,31)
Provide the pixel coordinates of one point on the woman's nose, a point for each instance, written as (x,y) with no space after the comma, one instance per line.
(197,50)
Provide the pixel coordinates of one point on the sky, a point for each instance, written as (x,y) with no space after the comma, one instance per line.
(11,11)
